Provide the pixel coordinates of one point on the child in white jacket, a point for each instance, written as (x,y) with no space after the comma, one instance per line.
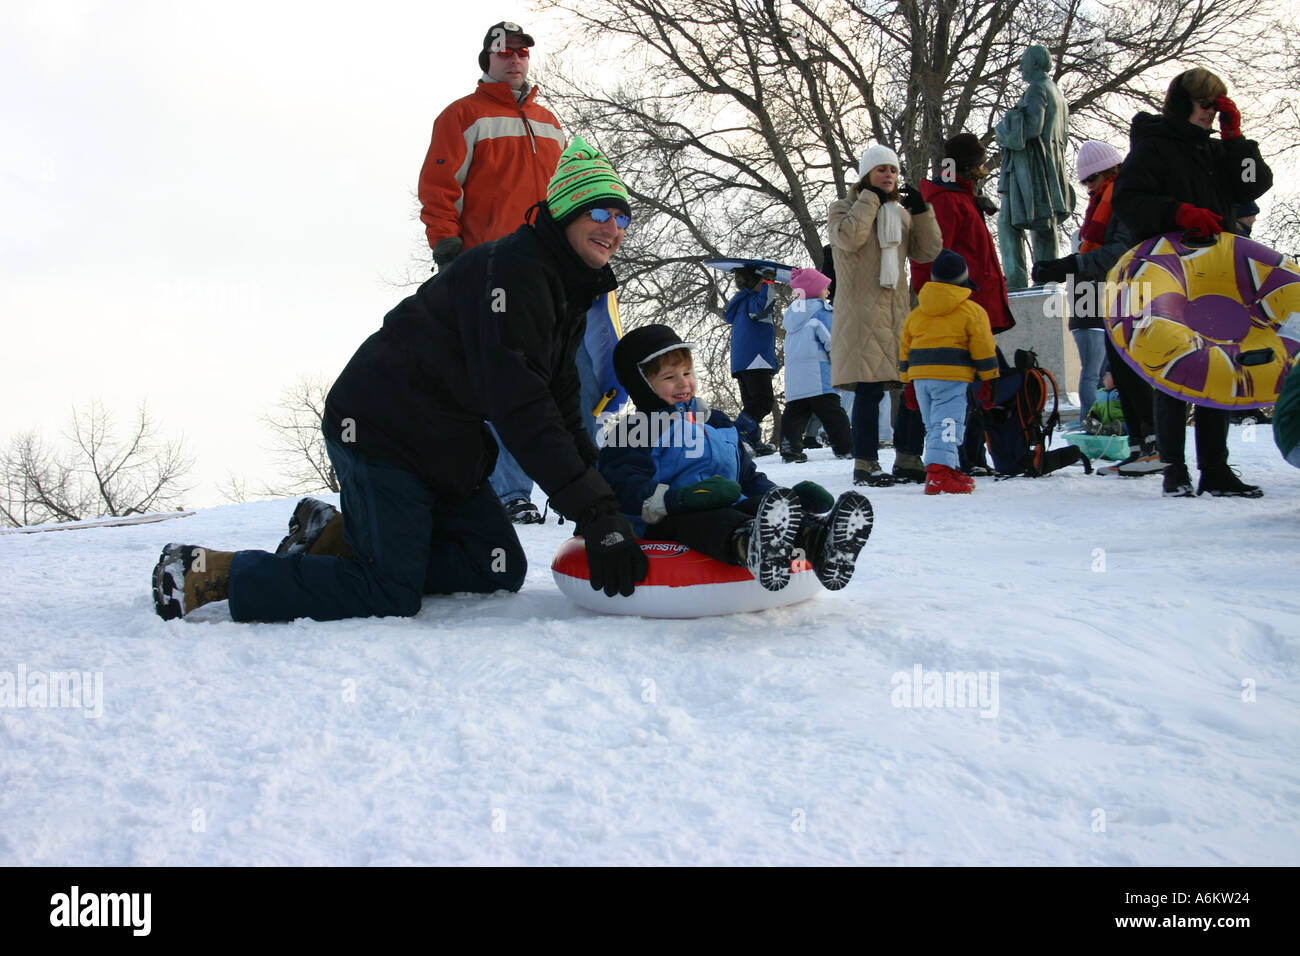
(808,388)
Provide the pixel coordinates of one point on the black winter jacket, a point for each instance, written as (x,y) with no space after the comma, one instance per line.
(492,338)
(1171,162)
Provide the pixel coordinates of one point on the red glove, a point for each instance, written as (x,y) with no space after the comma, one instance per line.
(909,397)
(985,395)
(1198,220)
(1229,117)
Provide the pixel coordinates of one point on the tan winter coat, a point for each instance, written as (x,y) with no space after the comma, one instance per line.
(869,318)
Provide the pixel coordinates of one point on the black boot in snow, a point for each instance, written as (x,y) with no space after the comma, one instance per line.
(1178,483)
(771,538)
(1222,482)
(833,541)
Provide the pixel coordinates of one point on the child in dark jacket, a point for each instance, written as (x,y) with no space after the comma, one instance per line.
(681,473)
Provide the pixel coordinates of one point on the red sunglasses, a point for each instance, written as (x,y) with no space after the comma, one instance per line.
(521,52)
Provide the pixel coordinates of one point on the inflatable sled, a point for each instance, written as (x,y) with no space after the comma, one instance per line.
(1212,322)
(1110,447)
(731,265)
(680,583)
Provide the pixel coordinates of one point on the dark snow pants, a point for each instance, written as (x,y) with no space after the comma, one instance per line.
(831,413)
(711,532)
(406,540)
(1171,432)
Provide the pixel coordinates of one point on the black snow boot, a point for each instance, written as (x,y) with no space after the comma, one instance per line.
(1178,483)
(523,511)
(832,541)
(1222,482)
(772,535)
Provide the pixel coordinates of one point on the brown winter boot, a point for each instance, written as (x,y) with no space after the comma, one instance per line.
(331,540)
(909,468)
(187,577)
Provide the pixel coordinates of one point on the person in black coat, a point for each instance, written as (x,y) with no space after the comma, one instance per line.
(1178,177)
(492,337)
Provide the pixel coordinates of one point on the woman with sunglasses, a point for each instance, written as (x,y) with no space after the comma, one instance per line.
(490,338)
(1178,177)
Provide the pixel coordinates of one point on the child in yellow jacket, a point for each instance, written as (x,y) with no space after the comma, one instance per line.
(946,342)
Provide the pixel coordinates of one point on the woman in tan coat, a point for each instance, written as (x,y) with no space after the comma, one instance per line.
(872,234)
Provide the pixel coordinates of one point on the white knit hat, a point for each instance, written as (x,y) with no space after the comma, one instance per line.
(1096,157)
(877,156)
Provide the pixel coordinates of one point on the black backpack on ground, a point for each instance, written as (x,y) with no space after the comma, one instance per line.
(1014,428)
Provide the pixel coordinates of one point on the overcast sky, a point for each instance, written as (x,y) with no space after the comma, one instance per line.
(201,203)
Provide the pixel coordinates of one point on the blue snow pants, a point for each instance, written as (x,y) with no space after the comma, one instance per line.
(406,540)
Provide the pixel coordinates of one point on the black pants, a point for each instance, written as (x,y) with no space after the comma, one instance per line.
(1136,397)
(831,413)
(1171,432)
(756,396)
(708,531)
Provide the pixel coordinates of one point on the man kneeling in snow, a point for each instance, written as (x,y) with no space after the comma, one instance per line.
(490,338)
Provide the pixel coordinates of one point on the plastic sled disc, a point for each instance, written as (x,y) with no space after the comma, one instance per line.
(1110,447)
(731,265)
(680,583)
(1213,323)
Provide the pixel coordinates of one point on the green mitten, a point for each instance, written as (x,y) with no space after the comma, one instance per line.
(813,498)
(712,492)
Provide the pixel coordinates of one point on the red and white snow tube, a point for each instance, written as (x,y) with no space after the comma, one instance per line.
(680,583)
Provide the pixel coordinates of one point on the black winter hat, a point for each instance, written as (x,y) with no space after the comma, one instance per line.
(496,40)
(966,150)
(634,350)
(950,268)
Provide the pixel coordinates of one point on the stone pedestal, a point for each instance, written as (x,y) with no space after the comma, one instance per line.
(1042,324)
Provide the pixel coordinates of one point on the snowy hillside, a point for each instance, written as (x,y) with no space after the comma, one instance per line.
(1139,660)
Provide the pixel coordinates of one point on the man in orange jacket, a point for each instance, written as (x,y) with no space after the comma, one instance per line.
(490,160)
(492,152)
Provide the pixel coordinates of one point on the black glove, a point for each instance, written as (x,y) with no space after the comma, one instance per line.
(911,200)
(715,492)
(614,558)
(884,196)
(985,205)
(1054,270)
(444,250)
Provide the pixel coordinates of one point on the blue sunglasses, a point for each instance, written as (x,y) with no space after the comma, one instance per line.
(602,215)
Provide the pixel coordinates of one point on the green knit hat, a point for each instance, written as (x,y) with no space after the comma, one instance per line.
(584,180)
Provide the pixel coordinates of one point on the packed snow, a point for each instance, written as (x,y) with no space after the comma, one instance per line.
(1132,663)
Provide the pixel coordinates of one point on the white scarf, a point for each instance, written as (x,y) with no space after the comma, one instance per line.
(889,233)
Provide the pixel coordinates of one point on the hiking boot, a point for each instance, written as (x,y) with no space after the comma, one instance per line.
(771,538)
(308,520)
(1222,482)
(942,480)
(522,511)
(832,542)
(793,457)
(810,442)
(1140,462)
(763,449)
(867,472)
(1178,483)
(909,469)
(187,576)
(979,471)
(961,476)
